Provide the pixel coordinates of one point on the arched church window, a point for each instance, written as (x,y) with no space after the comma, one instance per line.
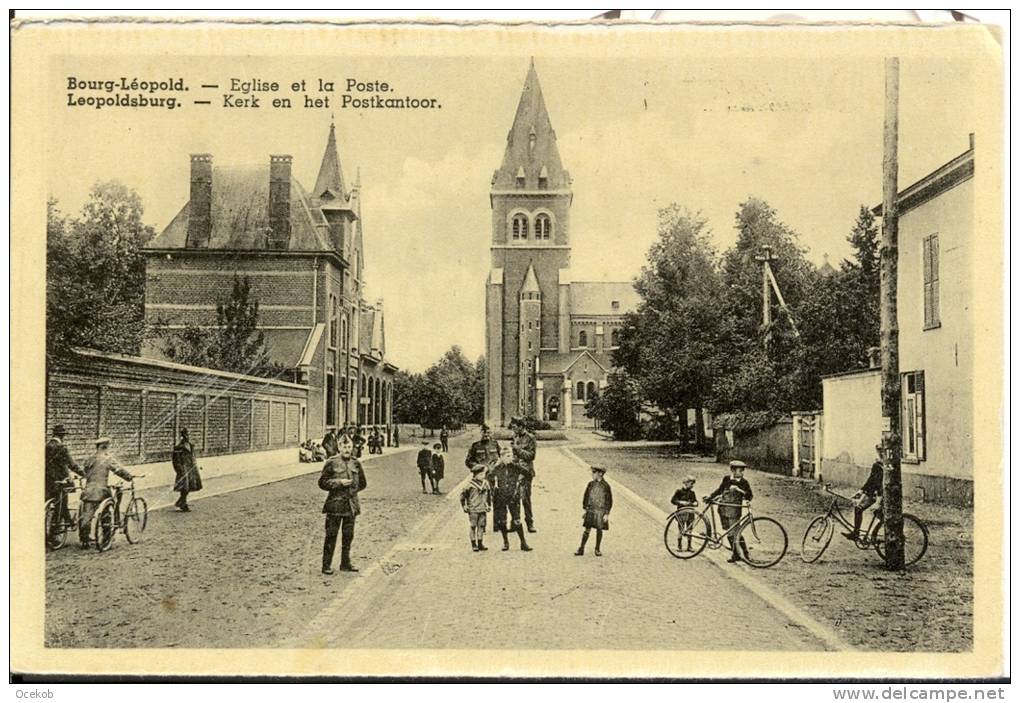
(543,226)
(582,339)
(519,227)
(580,390)
(591,390)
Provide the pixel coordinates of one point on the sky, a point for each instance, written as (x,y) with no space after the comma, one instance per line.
(636,135)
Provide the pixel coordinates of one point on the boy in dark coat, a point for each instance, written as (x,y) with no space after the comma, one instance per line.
(344,478)
(867,496)
(425,467)
(506,477)
(597,502)
(438,467)
(685,498)
(732,492)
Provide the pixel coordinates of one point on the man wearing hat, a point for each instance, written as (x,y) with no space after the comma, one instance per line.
(59,467)
(331,443)
(97,470)
(186,469)
(485,451)
(732,492)
(524,450)
(344,478)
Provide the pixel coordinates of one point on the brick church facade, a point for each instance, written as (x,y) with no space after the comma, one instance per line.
(549,338)
(302,252)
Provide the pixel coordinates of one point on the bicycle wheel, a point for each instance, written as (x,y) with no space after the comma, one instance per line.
(135,518)
(104,525)
(816,539)
(686,533)
(762,542)
(55,535)
(915,539)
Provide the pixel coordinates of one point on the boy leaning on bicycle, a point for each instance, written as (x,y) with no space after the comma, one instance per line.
(866,497)
(732,493)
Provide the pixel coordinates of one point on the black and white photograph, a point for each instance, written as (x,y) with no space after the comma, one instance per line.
(507,351)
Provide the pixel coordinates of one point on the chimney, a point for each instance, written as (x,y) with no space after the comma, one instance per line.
(971,138)
(279,201)
(200,208)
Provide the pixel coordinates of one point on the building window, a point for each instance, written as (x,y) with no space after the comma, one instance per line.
(519,181)
(912,390)
(614,338)
(529,346)
(543,179)
(334,321)
(543,226)
(330,399)
(519,227)
(931,281)
(580,391)
(582,339)
(591,390)
(616,305)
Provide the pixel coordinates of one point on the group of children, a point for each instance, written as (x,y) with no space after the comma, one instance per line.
(431,466)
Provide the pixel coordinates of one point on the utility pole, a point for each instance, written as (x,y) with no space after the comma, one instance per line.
(769,284)
(892,482)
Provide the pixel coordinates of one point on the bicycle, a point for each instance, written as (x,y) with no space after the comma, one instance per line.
(819,533)
(762,541)
(55,511)
(110,519)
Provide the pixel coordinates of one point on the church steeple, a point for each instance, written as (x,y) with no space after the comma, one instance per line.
(531,160)
(329,186)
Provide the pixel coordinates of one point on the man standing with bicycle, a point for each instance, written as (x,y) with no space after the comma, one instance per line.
(867,496)
(733,491)
(59,467)
(97,470)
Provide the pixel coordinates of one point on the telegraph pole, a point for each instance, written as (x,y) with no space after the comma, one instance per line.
(766,293)
(892,483)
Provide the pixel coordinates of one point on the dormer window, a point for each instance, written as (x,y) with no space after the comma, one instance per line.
(543,179)
(543,226)
(519,227)
(520,177)
(616,305)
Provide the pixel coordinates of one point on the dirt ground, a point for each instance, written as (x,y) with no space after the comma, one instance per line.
(240,570)
(930,608)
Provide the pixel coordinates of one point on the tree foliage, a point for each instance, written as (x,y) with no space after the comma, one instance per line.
(236,344)
(449,393)
(617,409)
(95,273)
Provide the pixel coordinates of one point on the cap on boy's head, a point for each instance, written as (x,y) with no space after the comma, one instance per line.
(689,479)
(59,431)
(346,443)
(425,442)
(477,468)
(102,441)
(437,445)
(738,465)
(600,469)
(485,428)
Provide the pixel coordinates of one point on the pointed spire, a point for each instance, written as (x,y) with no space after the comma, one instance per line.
(330,183)
(531,142)
(530,281)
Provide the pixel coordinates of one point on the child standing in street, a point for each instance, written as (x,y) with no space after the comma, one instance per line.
(438,467)
(731,495)
(597,502)
(685,498)
(425,466)
(476,500)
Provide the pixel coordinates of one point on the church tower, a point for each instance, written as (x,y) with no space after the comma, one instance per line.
(529,277)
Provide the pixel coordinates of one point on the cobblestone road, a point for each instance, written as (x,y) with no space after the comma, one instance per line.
(433,592)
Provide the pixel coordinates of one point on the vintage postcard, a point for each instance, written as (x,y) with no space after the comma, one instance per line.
(576,350)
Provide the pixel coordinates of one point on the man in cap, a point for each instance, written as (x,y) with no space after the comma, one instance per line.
(344,478)
(732,492)
(59,467)
(524,450)
(97,470)
(485,451)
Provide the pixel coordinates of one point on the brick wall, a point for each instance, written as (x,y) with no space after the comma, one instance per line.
(142,405)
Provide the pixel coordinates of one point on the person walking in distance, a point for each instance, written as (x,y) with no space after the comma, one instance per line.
(343,477)
(524,450)
(476,500)
(597,502)
(188,478)
(396,436)
(444,439)
(438,467)
(732,493)
(97,471)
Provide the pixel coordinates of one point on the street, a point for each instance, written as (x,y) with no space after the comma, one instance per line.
(242,570)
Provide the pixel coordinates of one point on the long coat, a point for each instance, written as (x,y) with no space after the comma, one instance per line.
(330,444)
(188,478)
(97,470)
(524,450)
(59,465)
(342,500)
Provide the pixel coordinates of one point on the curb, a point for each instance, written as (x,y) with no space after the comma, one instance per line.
(794,613)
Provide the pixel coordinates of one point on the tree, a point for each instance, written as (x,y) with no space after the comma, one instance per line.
(95,273)
(408,398)
(236,344)
(618,408)
(449,393)
(672,346)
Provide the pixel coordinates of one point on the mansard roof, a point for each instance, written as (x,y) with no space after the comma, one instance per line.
(531,144)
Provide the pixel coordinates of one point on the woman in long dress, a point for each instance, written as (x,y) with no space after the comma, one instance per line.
(188,478)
